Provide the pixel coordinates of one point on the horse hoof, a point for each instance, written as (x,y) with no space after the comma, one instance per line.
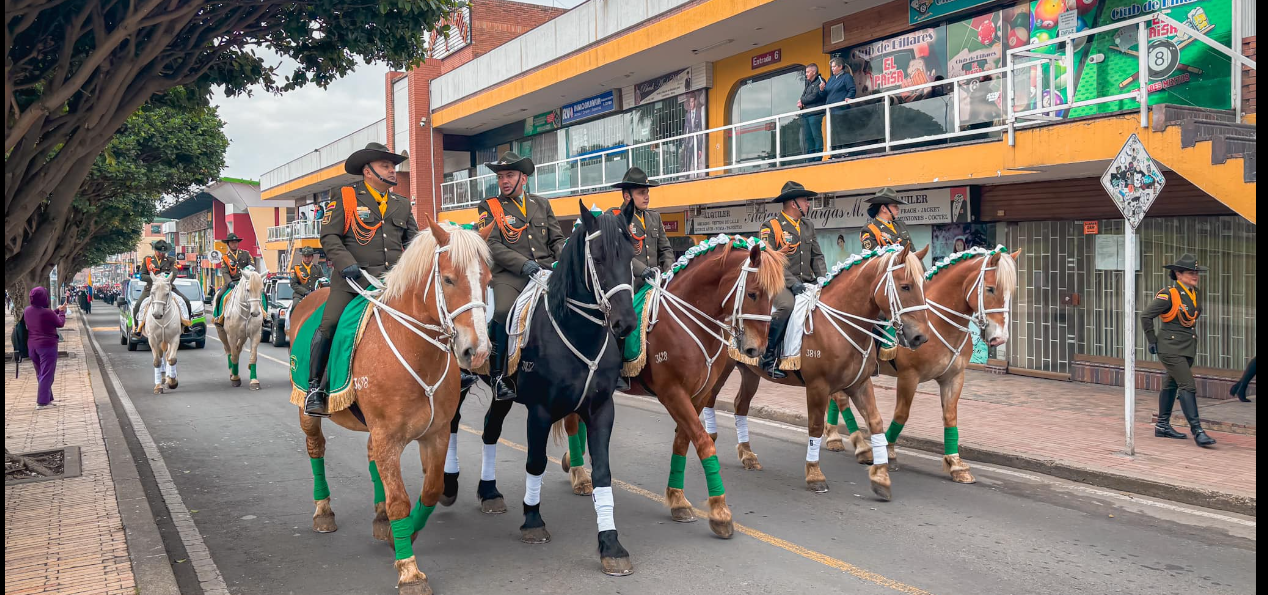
(158,390)
(723,529)
(325,523)
(447,500)
(418,588)
(617,566)
(818,487)
(172,383)
(964,476)
(382,530)
(747,457)
(957,469)
(582,485)
(535,535)
(835,445)
(235,382)
(493,506)
(682,515)
(863,458)
(882,491)
(563,462)
(255,385)
(879,475)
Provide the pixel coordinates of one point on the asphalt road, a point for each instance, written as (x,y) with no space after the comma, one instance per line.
(238,461)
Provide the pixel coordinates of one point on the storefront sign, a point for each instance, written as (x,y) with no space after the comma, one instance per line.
(1091,228)
(924,207)
(915,58)
(544,122)
(663,87)
(768,58)
(673,223)
(919,11)
(590,107)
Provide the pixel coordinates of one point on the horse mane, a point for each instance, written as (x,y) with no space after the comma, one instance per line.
(915,267)
(465,248)
(1005,268)
(1006,273)
(255,282)
(770,267)
(569,277)
(868,257)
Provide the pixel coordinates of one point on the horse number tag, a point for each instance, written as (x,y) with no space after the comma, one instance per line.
(527,366)
(815,353)
(662,357)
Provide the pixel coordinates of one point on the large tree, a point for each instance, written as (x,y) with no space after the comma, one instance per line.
(75,70)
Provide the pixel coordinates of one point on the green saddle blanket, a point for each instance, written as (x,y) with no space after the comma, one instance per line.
(218,308)
(636,341)
(339,368)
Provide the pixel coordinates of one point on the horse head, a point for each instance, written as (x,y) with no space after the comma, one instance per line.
(899,293)
(991,298)
(160,295)
(253,282)
(602,259)
(461,277)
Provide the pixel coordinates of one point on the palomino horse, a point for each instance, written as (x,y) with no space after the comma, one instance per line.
(405,375)
(569,364)
(163,331)
(838,351)
(719,299)
(975,285)
(241,324)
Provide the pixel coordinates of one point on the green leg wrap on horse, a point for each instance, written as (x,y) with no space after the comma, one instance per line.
(585,436)
(951,440)
(713,476)
(402,537)
(834,413)
(851,424)
(576,451)
(420,514)
(677,470)
(891,435)
(251,367)
(379,496)
(321,490)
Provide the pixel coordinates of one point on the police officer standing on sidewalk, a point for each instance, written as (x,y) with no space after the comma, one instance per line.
(1176,346)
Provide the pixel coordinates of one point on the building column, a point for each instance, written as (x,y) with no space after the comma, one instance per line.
(426,150)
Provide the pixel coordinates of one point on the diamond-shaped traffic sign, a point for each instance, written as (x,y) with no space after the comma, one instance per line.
(1133,180)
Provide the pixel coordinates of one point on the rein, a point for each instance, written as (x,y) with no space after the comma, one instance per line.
(243,303)
(978,315)
(445,329)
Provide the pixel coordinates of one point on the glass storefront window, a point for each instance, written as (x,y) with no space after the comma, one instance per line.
(767,95)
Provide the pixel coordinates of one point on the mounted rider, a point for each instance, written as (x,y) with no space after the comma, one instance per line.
(525,239)
(233,261)
(364,231)
(884,227)
(158,263)
(793,234)
(304,275)
(1176,346)
(652,253)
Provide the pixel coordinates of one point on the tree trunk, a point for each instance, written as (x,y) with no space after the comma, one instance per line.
(26,463)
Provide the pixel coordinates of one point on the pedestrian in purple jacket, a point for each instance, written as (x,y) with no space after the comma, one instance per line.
(41,326)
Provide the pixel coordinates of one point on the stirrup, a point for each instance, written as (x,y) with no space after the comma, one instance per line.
(502,390)
(315,405)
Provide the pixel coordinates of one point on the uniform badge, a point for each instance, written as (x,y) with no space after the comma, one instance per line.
(632,232)
(483,221)
(788,239)
(765,235)
(330,212)
(1162,295)
(363,213)
(510,220)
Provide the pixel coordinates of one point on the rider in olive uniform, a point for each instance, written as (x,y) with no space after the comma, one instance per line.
(883,227)
(233,260)
(525,239)
(158,263)
(793,234)
(304,276)
(364,231)
(652,252)
(1176,344)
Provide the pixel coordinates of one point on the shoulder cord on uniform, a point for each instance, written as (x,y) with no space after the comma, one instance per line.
(230,263)
(360,231)
(509,232)
(783,247)
(1180,310)
(149,264)
(306,275)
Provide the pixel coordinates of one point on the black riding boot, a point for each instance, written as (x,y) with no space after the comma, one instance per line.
(774,342)
(468,379)
(315,400)
(1189,405)
(622,383)
(502,388)
(1239,390)
(1162,428)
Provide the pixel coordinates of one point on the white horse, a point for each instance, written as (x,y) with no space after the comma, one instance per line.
(163,331)
(242,319)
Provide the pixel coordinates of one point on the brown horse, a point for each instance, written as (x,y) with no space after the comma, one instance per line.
(406,380)
(720,301)
(972,286)
(838,353)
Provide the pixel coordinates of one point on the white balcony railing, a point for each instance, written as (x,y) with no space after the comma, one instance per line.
(303,229)
(929,113)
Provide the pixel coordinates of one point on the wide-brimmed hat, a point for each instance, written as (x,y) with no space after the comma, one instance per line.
(510,160)
(793,190)
(635,178)
(885,196)
(232,237)
(1187,262)
(371,152)
(160,245)
(306,252)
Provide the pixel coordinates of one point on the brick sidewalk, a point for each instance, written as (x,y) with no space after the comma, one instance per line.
(61,536)
(1074,424)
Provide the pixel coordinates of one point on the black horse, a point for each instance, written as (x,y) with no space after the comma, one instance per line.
(570,364)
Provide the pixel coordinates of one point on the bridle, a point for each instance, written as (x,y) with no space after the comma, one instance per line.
(978,315)
(244,303)
(865,325)
(445,330)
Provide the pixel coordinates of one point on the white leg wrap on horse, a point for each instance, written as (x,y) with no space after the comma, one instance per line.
(451,457)
(812,450)
(158,373)
(171,370)
(710,421)
(532,489)
(488,463)
(880,455)
(741,429)
(603,509)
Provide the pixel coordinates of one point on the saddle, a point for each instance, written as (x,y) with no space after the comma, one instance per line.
(342,349)
(521,319)
(790,352)
(145,310)
(218,314)
(634,357)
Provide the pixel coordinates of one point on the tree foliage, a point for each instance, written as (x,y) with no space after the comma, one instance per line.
(77,69)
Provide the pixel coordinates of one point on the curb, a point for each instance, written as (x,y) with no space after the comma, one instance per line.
(1214,499)
(151,568)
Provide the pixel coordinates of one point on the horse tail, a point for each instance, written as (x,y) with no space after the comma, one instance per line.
(558,433)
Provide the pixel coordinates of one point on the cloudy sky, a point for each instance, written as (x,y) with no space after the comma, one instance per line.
(266,130)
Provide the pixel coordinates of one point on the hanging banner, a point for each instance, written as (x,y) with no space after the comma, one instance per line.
(919,11)
(914,58)
(663,87)
(591,107)
(924,207)
(544,122)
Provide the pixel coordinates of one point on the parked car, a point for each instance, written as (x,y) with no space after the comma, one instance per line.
(279,294)
(196,335)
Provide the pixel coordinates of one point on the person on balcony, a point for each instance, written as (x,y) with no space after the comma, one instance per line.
(812,123)
(839,88)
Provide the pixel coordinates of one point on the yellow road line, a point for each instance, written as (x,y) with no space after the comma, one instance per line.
(766,538)
(102,329)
